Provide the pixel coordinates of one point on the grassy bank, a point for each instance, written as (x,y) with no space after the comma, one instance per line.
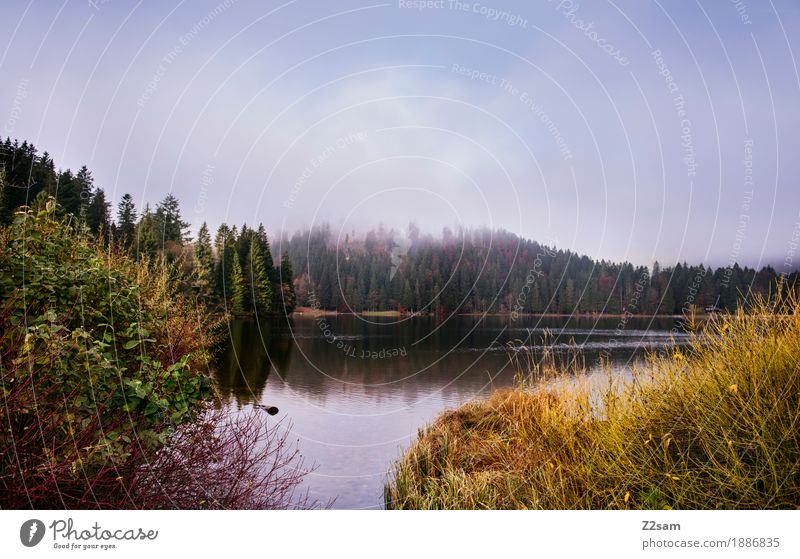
(713,425)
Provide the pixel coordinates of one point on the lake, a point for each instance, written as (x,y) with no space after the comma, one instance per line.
(356,389)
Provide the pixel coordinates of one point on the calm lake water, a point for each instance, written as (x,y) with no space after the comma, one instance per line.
(357,389)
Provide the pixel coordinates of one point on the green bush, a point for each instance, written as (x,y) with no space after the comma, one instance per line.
(101,358)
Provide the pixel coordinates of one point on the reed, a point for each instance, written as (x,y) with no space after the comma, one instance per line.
(714,425)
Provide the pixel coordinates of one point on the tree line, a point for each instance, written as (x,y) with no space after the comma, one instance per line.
(235,272)
(477,271)
(384,269)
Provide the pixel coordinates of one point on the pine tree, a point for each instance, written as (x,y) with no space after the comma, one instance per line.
(97,213)
(173,227)
(43,174)
(203,264)
(74,192)
(266,253)
(243,241)
(126,220)
(69,194)
(16,161)
(260,288)
(224,261)
(236,288)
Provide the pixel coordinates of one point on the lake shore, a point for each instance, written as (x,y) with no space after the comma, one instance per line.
(722,436)
(397,314)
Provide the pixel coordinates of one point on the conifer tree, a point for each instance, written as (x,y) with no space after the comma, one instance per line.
(236,288)
(97,213)
(224,261)
(203,264)
(68,193)
(126,220)
(266,253)
(260,288)
(169,216)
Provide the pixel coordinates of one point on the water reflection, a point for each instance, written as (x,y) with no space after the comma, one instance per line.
(358,390)
(251,351)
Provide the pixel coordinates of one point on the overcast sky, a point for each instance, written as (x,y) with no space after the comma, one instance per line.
(623,130)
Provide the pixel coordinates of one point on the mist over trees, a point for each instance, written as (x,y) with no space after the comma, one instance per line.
(482,270)
(459,271)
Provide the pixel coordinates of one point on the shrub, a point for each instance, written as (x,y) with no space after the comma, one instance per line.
(103,365)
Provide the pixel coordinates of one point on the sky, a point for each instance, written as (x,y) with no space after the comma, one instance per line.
(626,130)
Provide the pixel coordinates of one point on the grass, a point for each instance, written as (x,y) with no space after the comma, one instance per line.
(715,425)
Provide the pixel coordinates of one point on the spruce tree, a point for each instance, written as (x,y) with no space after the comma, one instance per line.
(81,193)
(235,290)
(169,214)
(126,220)
(266,253)
(260,288)
(203,265)
(222,266)
(97,213)
(68,193)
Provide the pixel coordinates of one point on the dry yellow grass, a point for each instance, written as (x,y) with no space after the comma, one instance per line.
(714,425)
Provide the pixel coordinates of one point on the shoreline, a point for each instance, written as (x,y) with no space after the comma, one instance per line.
(302,311)
(675,436)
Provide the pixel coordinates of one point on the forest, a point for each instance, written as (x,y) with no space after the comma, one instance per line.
(474,271)
(236,272)
(466,271)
